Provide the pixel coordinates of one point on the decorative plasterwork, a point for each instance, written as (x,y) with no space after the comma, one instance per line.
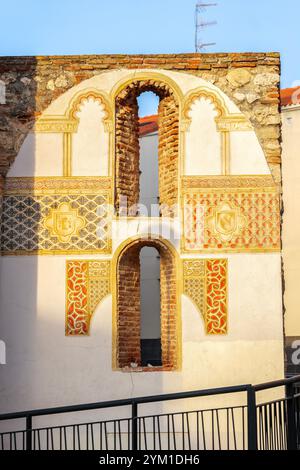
(233,122)
(55,124)
(68,122)
(56,184)
(64,222)
(226,222)
(215,98)
(226,122)
(240,218)
(87,284)
(67,154)
(205,282)
(232,181)
(56,216)
(225,152)
(100,97)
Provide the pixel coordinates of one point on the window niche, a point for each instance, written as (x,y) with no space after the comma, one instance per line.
(136,321)
(148,141)
(127,148)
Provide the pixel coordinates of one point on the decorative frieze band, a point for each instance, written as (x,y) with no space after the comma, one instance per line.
(228,181)
(58,184)
(87,284)
(230,214)
(205,282)
(56,216)
(233,123)
(56,125)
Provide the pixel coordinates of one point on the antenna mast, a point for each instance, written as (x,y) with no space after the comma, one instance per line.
(201,24)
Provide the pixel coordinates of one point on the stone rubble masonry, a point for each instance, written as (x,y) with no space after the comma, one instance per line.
(128,306)
(251,80)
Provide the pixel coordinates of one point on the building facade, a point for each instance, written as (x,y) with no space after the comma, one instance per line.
(73,229)
(290,102)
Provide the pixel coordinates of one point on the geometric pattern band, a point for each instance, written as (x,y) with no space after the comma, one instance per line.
(55,223)
(231,220)
(205,282)
(87,283)
(56,215)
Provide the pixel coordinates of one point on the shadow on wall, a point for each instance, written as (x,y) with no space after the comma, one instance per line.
(33,286)
(18,274)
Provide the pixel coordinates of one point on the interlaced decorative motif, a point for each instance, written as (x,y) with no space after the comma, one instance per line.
(216,296)
(88,282)
(205,282)
(55,223)
(231,220)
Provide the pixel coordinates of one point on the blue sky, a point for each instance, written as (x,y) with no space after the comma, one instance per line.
(31,27)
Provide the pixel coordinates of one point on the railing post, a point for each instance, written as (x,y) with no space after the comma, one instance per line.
(134,421)
(252,419)
(291,418)
(29,432)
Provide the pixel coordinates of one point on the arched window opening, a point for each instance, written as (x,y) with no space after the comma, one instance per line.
(150,307)
(148,141)
(146,307)
(130,186)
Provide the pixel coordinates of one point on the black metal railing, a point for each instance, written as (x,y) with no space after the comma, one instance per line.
(271,425)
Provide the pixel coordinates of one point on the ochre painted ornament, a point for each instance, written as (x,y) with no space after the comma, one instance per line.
(226,222)
(64,222)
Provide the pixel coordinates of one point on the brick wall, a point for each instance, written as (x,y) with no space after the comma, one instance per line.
(127,181)
(127,144)
(168,147)
(128,306)
(168,307)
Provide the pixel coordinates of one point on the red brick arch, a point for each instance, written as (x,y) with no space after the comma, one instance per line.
(128,314)
(127,143)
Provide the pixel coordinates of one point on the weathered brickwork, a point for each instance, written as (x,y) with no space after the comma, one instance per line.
(128,316)
(127,143)
(127,150)
(168,132)
(128,306)
(169,327)
(251,80)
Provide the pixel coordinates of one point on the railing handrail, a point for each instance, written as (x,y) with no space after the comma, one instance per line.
(148,399)
(125,402)
(276,383)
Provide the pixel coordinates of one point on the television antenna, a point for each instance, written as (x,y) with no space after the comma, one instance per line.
(201,24)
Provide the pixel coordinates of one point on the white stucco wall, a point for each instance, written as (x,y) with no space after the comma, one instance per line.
(246,155)
(45,368)
(90,143)
(202,141)
(40,155)
(291,216)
